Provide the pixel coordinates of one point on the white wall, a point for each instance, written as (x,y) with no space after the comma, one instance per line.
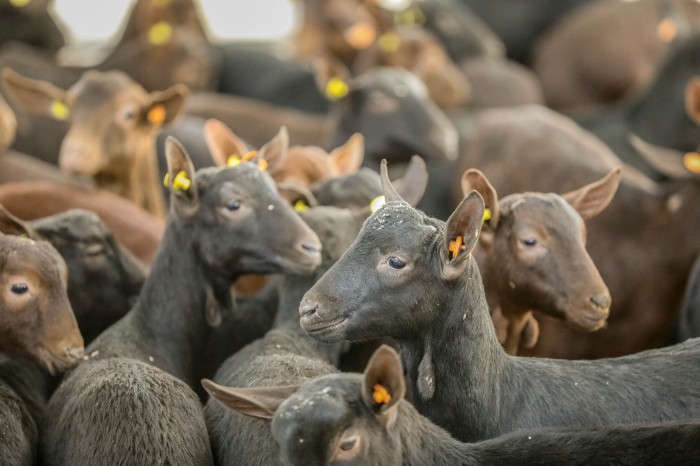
(100,20)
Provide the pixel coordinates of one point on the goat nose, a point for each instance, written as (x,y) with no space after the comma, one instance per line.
(75,352)
(310,247)
(601,301)
(307,308)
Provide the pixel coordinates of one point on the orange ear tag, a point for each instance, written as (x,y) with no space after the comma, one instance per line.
(336,88)
(360,35)
(389,42)
(301,206)
(160,33)
(456,247)
(691,161)
(381,395)
(59,110)
(156,115)
(667,30)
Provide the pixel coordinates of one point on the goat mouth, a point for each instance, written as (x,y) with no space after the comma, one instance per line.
(322,330)
(56,363)
(587,322)
(303,265)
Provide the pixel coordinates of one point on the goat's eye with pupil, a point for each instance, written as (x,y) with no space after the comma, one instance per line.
(19,288)
(347,445)
(235,205)
(529,242)
(396,263)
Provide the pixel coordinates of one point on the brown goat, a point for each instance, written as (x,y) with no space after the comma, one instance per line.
(533,257)
(113,126)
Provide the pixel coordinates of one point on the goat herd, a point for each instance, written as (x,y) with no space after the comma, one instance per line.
(171,296)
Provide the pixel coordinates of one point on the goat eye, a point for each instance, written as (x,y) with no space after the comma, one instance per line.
(529,242)
(19,288)
(396,263)
(233,205)
(94,250)
(348,445)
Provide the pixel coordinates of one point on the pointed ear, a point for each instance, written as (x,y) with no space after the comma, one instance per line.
(332,78)
(475,180)
(668,162)
(461,234)
(38,97)
(590,200)
(692,99)
(11,225)
(390,193)
(166,105)
(180,178)
(222,142)
(260,402)
(383,384)
(348,157)
(411,186)
(295,193)
(274,151)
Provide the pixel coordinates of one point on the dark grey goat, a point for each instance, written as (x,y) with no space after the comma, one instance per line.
(354,419)
(406,277)
(128,403)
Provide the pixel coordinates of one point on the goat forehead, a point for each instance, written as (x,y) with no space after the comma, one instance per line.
(243,177)
(546,210)
(93,92)
(397,225)
(32,257)
(73,225)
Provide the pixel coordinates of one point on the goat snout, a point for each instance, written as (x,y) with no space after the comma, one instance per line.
(601,301)
(311,249)
(75,353)
(308,308)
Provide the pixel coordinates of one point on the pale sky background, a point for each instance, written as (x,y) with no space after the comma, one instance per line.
(100,20)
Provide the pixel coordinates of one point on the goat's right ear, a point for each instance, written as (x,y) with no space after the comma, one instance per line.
(590,200)
(411,186)
(383,384)
(348,157)
(260,402)
(38,97)
(275,150)
(180,178)
(11,225)
(390,193)
(475,180)
(461,234)
(222,142)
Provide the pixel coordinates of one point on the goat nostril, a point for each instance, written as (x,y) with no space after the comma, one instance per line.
(307,309)
(601,301)
(311,247)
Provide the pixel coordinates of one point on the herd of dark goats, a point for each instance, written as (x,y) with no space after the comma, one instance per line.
(239,254)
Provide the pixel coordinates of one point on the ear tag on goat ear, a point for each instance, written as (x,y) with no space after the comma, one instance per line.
(59,110)
(691,161)
(389,42)
(336,88)
(667,30)
(487,215)
(236,159)
(180,183)
(360,35)
(456,247)
(20,3)
(156,115)
(381,395)
(160,33)
(377,203)
(301,206)
(410,17)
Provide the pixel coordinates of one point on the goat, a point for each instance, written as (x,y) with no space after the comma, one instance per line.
(223,222)
(37,331)
(364,419)
(31,24)
(405,277)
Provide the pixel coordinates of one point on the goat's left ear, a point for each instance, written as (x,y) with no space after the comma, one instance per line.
(180,178)
(411,186)
(348,157)
(274,151)
(166,105)
(590,200)
(474,179)
(260,402)
(461,234)
(383,384)
(11,225)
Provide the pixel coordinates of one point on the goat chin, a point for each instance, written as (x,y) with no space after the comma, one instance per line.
(56,364)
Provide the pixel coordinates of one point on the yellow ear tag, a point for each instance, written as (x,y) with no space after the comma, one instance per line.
(19,3)
(336,88)
(667,30)
(377,203)
(156,115)
(456,247)
(360,35)
(691,161)
(24,235)
(233,160)
(181,182)
(389,42)
(160,33)
(59,110)
(487,215)
(161,3)
(381,395)
(301,206)
(410,17)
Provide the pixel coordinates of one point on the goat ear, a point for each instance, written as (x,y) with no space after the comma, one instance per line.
(692,99)
(274,151)
(383,384)
(474,179)
(348,157)
(411,186)
(668,162)
(166,105)
(11,225)
(222,142)
(8,125)
(260,402)
(180,178)
(333,78)
(37,97)
(294,193)
(590,200)
(461,234)
(390,193)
